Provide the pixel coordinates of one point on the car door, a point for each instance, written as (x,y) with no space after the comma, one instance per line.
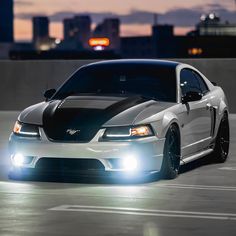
(211,109)
(197,117)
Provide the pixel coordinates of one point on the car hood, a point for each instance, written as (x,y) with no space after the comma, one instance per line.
(118,111)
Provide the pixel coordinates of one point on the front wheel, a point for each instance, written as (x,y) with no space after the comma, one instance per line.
(171,158)
(221,149)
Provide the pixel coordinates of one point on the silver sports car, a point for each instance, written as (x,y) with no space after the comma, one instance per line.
(123,117)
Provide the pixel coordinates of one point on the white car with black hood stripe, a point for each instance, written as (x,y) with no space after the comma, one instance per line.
(122,118)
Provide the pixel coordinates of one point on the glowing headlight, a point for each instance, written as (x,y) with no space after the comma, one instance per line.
(25,129)
(141,131)
(128,132)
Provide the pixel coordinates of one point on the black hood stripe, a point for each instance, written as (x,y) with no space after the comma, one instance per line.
(58,120)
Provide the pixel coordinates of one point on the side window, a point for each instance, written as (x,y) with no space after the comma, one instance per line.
(202,83)
(189,82)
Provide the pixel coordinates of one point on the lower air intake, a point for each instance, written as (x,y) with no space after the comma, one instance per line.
(68,165)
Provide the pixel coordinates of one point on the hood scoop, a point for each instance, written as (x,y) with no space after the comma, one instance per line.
(89,102)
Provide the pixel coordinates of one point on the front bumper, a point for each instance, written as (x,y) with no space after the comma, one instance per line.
(147,151)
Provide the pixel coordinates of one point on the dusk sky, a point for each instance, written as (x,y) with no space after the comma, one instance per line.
(136,15)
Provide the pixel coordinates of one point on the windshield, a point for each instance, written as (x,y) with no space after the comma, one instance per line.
(145,80)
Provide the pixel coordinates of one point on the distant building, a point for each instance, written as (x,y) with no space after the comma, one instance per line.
(78,29)
(137,47)
(6,21)
(70,45)
(83,24)
(5,48)
(211,25)
(162,40)
(41,38)
(162,31)
(109,28)
(164,44)
(40,28)
(69,29)
(105,42)
(204,47)
(159,44)
(46,44)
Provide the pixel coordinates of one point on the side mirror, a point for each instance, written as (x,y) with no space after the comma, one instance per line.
(214,83)
(49,93)
(191,97)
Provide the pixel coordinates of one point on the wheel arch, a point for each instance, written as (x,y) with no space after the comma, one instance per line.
(169,119)
(223,109)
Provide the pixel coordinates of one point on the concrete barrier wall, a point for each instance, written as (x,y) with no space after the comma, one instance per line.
(22,83)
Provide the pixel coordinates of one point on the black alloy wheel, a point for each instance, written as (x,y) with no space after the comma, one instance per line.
(171,159)
(221,149)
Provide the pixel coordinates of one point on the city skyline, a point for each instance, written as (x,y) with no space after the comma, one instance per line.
(136,16)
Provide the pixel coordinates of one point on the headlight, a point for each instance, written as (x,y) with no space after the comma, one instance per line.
(118,133)
(26,129)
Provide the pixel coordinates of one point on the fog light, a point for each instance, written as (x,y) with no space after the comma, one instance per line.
(130,163)
(19,160)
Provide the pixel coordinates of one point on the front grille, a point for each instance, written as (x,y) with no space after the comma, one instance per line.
(68,165)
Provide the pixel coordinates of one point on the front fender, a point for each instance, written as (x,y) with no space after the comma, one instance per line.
(164,124)
(223,107)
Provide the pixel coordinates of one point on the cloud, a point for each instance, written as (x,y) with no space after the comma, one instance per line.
(188,17)
(23,3)
(179,16)
(96,17)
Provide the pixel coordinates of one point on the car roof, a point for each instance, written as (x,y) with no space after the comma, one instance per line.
(151,62)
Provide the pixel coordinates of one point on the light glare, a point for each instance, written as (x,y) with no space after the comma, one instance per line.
(99,48)
(18,159)
(130,163)
(140,131)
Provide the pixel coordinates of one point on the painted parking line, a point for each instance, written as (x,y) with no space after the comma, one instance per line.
(198,187)
(144,212)
(227,168)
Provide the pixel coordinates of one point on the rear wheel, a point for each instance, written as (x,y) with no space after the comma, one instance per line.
(171,158)
(221,149)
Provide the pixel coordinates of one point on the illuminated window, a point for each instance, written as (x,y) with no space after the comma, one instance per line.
(195,51)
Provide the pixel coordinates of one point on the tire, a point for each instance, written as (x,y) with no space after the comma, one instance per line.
(171,158)
(221,149)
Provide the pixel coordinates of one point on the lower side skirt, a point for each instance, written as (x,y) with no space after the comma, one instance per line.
(196,156)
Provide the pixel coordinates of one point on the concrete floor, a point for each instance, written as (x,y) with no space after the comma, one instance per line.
(201,201)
